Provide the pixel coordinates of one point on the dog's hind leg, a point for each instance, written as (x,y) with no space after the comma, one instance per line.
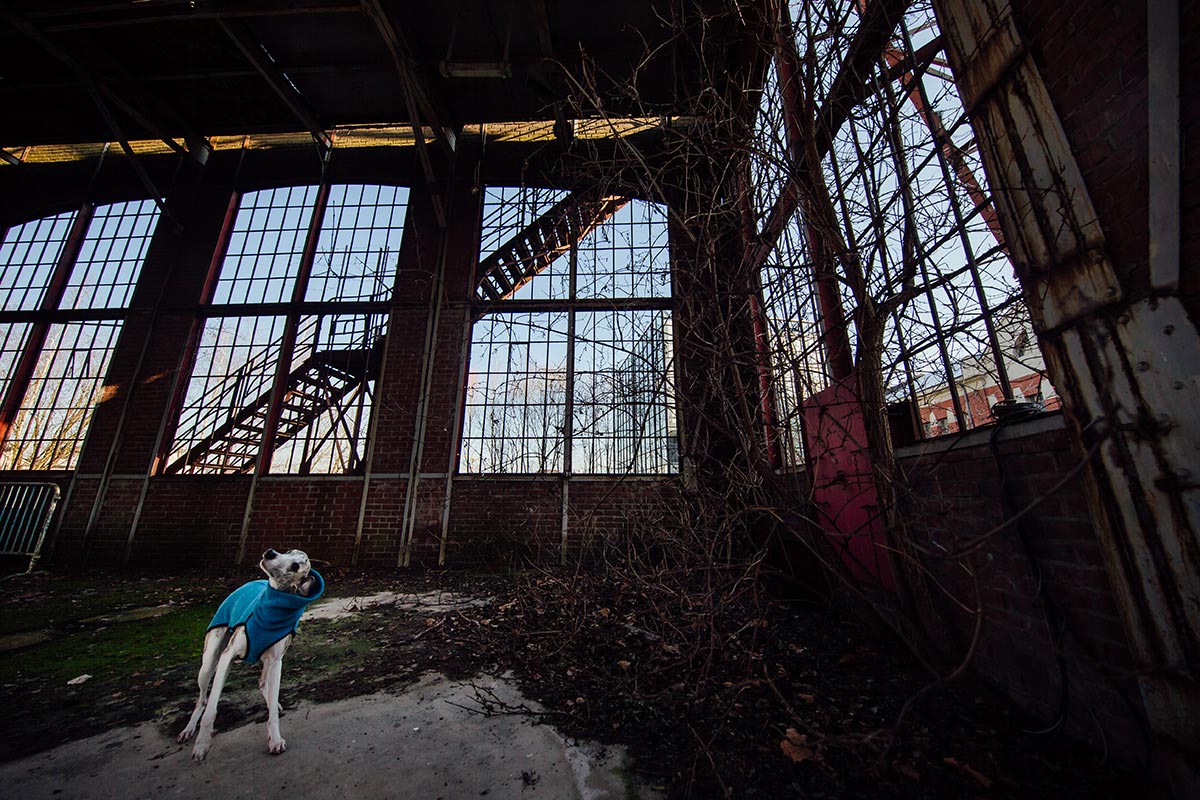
(268,684)
(213,641)
(235,649)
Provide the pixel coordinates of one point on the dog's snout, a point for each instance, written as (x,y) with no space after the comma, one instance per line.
(267,556)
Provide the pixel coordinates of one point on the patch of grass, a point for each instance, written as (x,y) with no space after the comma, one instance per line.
(114,650)
(72,600)
(325,648)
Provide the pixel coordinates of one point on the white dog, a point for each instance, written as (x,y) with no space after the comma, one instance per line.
(254,623)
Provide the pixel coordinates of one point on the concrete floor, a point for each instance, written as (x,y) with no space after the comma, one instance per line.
(429,742)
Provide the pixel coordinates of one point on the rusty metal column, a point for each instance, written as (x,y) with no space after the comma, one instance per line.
(834,337)
(1125,357)
(762,345)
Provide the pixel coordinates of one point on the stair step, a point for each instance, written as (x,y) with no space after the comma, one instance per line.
(315,387)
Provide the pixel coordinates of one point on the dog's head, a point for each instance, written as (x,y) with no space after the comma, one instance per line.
(288,571)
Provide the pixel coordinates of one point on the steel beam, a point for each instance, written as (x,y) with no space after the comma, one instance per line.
(417,91)
(115,15)
(257,55)
(196,146)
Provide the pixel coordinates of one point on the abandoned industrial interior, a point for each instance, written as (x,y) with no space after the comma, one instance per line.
(883,310)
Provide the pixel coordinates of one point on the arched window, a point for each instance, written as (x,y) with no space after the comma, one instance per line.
(292,339)
(76,272)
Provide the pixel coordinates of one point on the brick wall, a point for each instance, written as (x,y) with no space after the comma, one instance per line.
(1092,56)
(323,514)
(496,520)
(493,522)
(956,498)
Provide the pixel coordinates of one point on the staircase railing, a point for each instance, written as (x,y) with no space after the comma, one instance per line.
(250,382)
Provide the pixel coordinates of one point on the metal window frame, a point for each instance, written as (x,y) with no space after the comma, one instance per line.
(572,305)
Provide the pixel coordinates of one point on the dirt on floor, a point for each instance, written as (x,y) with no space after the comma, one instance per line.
(742,698)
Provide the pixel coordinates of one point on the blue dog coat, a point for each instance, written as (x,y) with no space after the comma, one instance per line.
(267,614)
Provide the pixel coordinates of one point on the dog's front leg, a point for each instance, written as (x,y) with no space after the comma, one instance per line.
(235,649)
(208,663)
(268,684)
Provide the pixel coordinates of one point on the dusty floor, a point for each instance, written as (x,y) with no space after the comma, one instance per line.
(743,698)
(428,741)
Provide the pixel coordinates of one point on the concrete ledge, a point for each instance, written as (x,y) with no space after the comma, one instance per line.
(1035,425)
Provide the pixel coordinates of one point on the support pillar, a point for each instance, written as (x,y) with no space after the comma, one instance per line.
(1122,351)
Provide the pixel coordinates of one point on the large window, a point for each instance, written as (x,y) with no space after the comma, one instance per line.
(74,270)
(904,222)
(297,375)
(571,353)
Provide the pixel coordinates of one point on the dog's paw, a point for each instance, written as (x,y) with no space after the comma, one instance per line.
(276,746)
(201,749)
(185,734)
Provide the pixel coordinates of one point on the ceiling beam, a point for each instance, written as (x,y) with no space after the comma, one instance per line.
(121,15)
(235,73)
(430,110)
(257,55)
(140,105)
(541,24)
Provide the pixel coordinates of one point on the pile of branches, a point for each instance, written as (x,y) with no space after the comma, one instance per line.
(719,692)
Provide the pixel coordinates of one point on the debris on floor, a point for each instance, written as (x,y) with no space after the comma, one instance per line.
(713,690)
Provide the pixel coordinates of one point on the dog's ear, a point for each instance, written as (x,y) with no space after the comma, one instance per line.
(307,586)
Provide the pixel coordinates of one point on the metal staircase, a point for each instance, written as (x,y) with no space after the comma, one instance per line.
(517,261)
(323,382)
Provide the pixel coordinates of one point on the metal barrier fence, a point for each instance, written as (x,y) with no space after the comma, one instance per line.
(25,513)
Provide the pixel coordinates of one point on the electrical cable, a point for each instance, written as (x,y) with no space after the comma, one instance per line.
(1006,413)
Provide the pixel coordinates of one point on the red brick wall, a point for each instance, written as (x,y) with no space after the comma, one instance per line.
(318,516)
(192,517)
(383,521)
(1092,56)
(398,391)
(956,498)
(494,521)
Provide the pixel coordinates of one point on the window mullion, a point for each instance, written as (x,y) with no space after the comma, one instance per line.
(569,411)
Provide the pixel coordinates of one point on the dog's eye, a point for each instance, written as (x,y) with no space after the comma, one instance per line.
(295,567)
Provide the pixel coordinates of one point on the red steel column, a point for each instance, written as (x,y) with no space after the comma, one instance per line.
(834,337)
(284,367)
(30,352)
